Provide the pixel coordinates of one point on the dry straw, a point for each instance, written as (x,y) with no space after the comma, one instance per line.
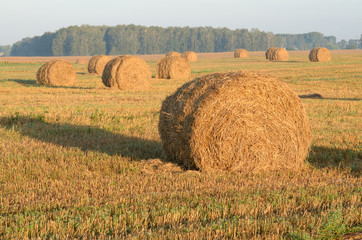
(92,63)
(173,54)
(127,73)
(235,122)
(268,52)
(241,53)
(173,68)
(277,54)
(320,54)
(56,73)
(97,63)
(189,56)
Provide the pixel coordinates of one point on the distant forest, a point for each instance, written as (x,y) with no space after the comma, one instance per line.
(88,40)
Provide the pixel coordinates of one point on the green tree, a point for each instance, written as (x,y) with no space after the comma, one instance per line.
(36,46)
(79,41)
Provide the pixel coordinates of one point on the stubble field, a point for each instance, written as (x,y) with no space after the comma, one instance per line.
(86,161)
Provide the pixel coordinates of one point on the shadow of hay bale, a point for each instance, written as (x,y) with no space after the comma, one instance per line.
(27,83)
(312,96)
(33,83)
(325,157)
(87,138)
(318,96)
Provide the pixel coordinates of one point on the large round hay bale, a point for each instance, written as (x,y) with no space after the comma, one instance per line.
(97,63)
(319,54)
(268,52)
(241,53)
(173,68)
(189,56)
(56,73)
(278,54)
(237,121)
(173,54)
(127,73)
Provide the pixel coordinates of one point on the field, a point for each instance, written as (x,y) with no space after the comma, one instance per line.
(86,161)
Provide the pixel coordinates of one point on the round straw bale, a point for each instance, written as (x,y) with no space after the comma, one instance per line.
(235,122)
(173,54)
(320,54)
(92,63)
(189,56)
(268,52)
(278,54)
(173,67)
(127,73)
(81,61)
(56,73)
(100,64)
(97,63)
(240,53)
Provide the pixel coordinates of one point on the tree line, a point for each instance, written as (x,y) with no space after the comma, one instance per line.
(88,40)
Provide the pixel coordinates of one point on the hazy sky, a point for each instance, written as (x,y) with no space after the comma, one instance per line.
(28,18)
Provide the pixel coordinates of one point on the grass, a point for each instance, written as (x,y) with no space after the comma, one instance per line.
(86,161)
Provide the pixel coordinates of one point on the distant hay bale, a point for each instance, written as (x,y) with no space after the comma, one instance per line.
(235,122)
(127,73)
(81,61)
(268,52)
(56,73)
(92,63)
(97,63)
(189,56)
(241,53)
(278,54)
(173,68)
(319,54)
(173,54)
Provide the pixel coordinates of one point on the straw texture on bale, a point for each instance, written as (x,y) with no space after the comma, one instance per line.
(268,52)
(235,122)
(319,54)
(240,53)
(97,63)
(173,54)
(172,68)
(278,54)
(92,63)
(127,73)
(56,73)
(189,56)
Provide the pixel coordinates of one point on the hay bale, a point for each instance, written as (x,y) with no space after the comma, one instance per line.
(101,63)
(92,63)
(189,56)
(127,73)
(81,61)
(236,122)
(268,52)
(278,54)
(172,68)
(319,54)
(56,73)
(97,63)
(241,53)
(173,54)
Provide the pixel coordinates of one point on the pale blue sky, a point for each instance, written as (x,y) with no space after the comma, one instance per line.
(28,18)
